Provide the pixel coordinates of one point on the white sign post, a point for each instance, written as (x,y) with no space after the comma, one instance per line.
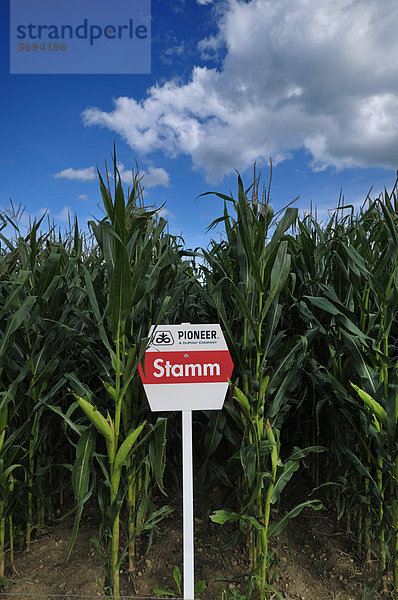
(186,368)
(187,505)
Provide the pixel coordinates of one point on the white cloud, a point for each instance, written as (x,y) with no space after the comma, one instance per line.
(156,176)
(210,47)
(153,177)
(78,174)
(126,175)
(203,2)
(296,75)
(65,215)
(82,197)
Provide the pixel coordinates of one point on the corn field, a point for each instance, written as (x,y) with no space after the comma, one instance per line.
(309,312)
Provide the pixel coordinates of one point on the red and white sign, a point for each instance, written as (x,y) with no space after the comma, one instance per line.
(186,367)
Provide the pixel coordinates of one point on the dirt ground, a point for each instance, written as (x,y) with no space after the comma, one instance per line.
(315,562)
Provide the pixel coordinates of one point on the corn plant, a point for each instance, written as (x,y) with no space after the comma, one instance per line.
(309,312)
(246,279)
(199,586)
(352,300)
(139,264)
(36,331)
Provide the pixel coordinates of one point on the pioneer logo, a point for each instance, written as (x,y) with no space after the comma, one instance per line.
(197,334)
(163,338)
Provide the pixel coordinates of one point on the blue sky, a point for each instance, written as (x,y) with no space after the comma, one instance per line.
(312,84)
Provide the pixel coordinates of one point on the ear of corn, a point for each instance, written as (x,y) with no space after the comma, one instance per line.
(376,409)
(98,420)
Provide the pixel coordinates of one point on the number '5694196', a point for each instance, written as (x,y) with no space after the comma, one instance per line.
(49,47)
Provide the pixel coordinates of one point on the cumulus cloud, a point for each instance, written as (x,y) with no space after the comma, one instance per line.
(295,75)
(156,176)
(204,1)
(152,177)
(77,174)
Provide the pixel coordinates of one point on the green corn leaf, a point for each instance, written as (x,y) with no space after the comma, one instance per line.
(107,200)
(392,226)
(246,223)
(232,343)
(214,433)
(78,387)
(288,219)
(279,281)
(156,517)
(348,324)
(105,236)
(5,474)
(158,591)
(120,294)
(177,578)
(6,583)
(2,436)
(95,308)
(131,368)
(23,276)
(199,587)
(15,320)
(292,352)
(119,212)
(223,516)
(277,528)
(157,451)
(81,478)
(265,447)
(364,370)
(323,304)
(127,446)
(80,473)
(356,258)
(273,317)
(49,271)
(247,313)
(248,457)
(284,477)
(280,269)
(139,272)
(364,472)
(45,375)
(66,417)
(299,453)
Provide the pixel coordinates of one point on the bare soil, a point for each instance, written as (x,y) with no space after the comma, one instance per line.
(316,561)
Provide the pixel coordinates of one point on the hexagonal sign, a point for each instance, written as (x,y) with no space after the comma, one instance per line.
(186,367)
